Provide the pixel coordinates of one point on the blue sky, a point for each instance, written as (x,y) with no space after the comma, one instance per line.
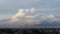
(10,7)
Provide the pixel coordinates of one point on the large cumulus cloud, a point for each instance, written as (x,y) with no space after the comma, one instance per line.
(28,18)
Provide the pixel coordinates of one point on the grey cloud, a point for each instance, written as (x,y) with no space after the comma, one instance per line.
(23,23)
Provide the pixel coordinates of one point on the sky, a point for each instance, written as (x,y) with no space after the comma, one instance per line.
(10,7)
(29,11)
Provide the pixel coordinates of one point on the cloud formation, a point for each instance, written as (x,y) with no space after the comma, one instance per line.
(25,18)
(23,15)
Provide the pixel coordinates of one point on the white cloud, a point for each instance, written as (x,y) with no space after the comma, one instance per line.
(53,18)
(25,14)
(23,17)
(22,13)
(19,14)
(29,16)
(32,9)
